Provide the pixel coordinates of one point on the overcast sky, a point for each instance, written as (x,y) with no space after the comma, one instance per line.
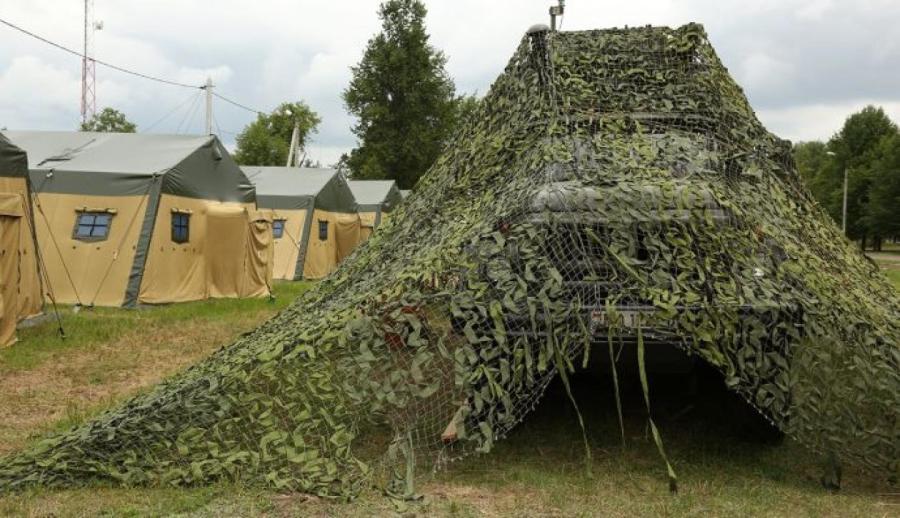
(805,64)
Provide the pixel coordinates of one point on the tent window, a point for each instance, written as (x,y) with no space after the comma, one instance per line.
(277,228)
(181,227)
(92,226)
(323,230)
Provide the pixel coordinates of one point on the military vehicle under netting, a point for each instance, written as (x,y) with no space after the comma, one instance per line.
(578,242)
(613,184)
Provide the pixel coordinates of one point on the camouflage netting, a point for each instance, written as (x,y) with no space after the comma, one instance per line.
(615,187)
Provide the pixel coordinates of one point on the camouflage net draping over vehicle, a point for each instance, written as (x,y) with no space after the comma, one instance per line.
(615,186)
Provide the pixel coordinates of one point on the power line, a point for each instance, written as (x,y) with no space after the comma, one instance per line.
(188,115)
(195,116)
(239,105)
(127,71)
(108,65)
(218,129)
(191,97)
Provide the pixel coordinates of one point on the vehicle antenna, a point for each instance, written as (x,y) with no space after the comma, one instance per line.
(556,10)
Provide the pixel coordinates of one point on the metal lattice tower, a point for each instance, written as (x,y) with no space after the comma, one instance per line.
(88,65)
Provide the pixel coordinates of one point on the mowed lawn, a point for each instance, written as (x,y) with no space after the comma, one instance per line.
(47,382)
(889,261)
(725,467)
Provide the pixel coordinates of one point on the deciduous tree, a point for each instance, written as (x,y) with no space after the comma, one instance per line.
(868,148)
(402,97)
(109,120)
(267,140)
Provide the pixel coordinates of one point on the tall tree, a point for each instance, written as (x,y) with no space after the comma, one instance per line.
(881,215)
(855,150)
(811,159)
(865,149)
(403,98)
(109,120)
(267,140)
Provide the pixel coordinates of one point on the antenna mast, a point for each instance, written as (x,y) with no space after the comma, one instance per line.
(88,65)
(556,10)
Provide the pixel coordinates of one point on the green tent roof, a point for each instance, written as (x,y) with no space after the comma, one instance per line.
(373,195)
(121,164)
(13,160)
(300,188)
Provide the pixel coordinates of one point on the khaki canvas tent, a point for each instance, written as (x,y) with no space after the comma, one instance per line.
(307,247)
(20,284)
(126,218)
(376,199)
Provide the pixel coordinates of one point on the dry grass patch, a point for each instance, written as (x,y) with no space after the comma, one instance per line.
(47,383)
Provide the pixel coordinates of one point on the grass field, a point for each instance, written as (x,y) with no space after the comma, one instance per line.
(47,382)
(889,261)
(894,276)
(724,468)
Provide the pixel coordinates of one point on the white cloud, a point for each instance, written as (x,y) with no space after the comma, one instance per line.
(819,121)
(326,155)
(763,72)
(37,93)
(803,63)
(815,9)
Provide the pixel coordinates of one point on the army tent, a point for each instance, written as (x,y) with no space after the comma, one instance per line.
(128,219)
(20,285)
(307,246)
(376,199)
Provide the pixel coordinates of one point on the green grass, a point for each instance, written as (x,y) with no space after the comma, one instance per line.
(894,277)
(93,326)
(889,261)
(47,384)
(540,470)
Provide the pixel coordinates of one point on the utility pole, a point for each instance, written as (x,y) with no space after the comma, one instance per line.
(209,112)
(295,144)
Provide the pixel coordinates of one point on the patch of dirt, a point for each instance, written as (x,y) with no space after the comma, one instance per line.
(488,502)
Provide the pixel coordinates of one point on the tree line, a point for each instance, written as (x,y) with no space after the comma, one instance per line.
(401,95)
(867,148)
